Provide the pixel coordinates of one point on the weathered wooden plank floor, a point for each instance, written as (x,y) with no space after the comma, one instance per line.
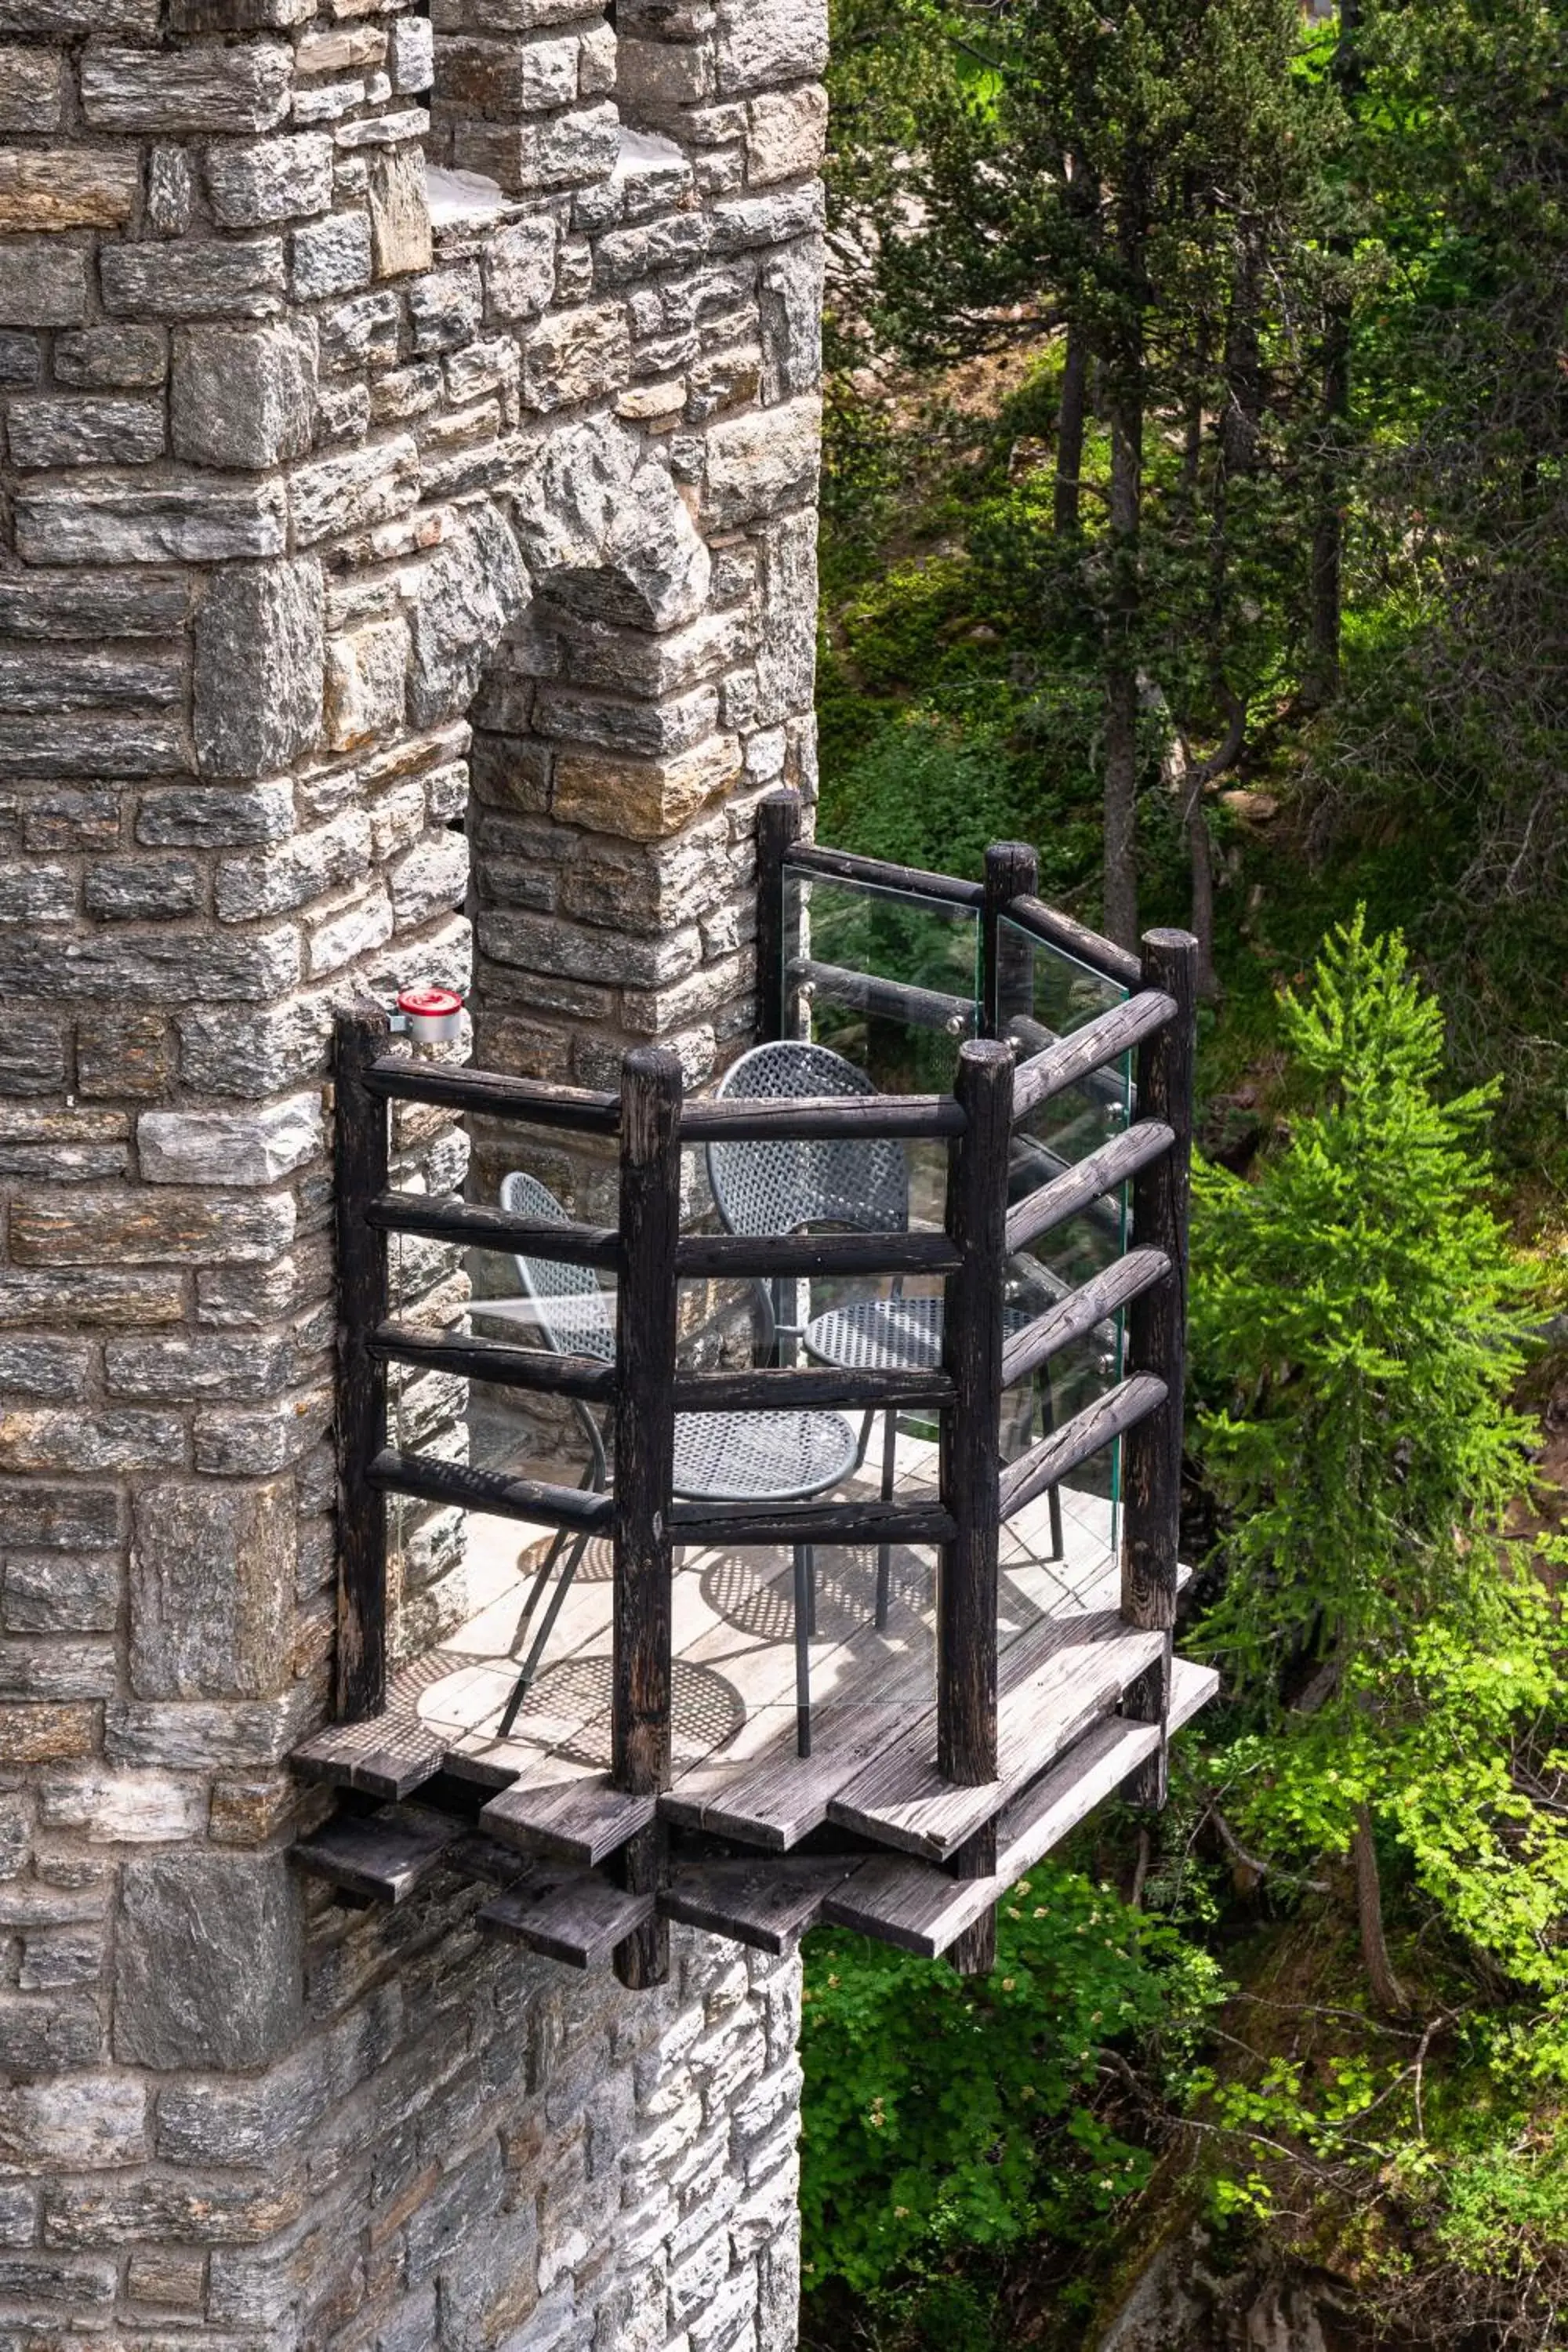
(543,1797)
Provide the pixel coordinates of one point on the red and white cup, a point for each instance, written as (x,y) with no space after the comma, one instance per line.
(435,1016)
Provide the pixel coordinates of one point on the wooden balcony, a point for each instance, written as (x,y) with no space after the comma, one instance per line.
(657,1771)
(763,1842)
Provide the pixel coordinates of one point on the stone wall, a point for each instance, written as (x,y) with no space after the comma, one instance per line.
(382,558)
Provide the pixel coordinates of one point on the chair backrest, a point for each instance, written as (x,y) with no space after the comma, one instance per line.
(569,1302)
(782,1188)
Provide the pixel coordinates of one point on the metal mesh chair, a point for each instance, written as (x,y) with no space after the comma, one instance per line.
(779,1188)
(719,1458)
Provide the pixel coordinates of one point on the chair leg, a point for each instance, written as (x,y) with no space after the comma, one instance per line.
(530,1663)
(885,1551)
(542,1576)
(810,1591)
(804,1579)
(1047,1422)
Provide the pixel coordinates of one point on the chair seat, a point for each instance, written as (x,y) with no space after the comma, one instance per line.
(886,1335)
(739,1458)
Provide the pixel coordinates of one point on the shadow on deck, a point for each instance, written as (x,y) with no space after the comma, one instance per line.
(870,1825)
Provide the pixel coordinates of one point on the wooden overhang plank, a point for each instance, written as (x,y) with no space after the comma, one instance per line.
(577,1918)
(767,1902)
(384,1856)
(580,1821)
(1053,1689)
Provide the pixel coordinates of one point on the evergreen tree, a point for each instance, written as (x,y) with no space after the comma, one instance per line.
(1362,1317)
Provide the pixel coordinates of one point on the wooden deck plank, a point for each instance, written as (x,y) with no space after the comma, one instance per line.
(1054,1685)
(384,1856)
(768,1903)
(577,1918)
(919,1907)
(389,1756)
(580,1821)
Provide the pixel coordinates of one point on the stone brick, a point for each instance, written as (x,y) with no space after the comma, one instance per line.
(149,1228)
(112,356)
(469,592)
(39,2035)
(242,396)
(29,89)
(170,192)
(257,182)
(242,2123)
(44,1734)
(300,870)
(554,151)
(519,270)
(66,187)
(168,2277)
(367,684)
(118,1808)
(51,2283)
(197,1736)
(790,304)
(399,214)
(206,1961)
(251,1146)
(786,132)
(355,490)
(258,657)
(170,521)
(576,355)
(208,817)
(50,1439)
(210,1573)
(762,43)
(206,90)
(644,798)
(112,605)
(240,278)
(194,1371)
(59,1593)
(761,462)
(42,283)
(331,257)
(48,1370)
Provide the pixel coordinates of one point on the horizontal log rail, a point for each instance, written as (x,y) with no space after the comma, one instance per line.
(538,1369)
(443,1217)
(1088,1432)
(1058,931)
(854,1524)
(728,1257)
(1032,1037)
(1068,1063)
(1089,1181)
(1080,1312)
(882,875)
(807,1388)
(823,1119)
(431,1480)
(391,1078)
(887,1000)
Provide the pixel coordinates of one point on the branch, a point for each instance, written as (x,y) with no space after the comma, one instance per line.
(1252,1861)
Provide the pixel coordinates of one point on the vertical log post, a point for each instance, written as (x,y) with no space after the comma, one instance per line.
(779,822)
(360,1172)
(1007,974)
(1157,1339)
(644,1423)
(972,1458)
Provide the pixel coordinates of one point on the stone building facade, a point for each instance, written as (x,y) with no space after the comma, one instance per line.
(411,445)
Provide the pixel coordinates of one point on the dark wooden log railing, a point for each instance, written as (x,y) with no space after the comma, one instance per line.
(995,1092)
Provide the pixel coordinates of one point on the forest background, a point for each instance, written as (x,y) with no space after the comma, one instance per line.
(1197,509)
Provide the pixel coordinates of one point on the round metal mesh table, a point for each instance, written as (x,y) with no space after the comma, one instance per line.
(878,1335)
(738,1457)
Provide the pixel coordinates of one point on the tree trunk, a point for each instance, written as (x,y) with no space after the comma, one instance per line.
(1321,683)
(1386,1989)
(1071,416)
(1121,669)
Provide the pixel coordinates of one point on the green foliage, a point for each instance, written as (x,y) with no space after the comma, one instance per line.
(1359,1314)
(944,2114)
